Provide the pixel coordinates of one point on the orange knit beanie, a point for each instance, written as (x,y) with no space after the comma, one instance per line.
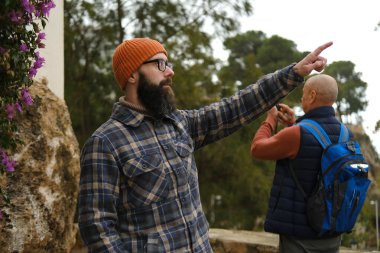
(129,56)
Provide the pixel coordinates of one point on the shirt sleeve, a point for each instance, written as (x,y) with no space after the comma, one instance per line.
(284,144)
(98,196)
(221,119)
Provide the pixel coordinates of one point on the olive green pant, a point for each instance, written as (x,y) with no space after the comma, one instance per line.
(289,244)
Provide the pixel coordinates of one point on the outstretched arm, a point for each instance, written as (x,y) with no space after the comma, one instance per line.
(312,61)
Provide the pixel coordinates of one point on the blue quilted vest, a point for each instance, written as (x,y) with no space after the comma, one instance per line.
(286,210)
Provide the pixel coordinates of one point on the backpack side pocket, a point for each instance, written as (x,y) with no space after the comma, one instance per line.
(316,208)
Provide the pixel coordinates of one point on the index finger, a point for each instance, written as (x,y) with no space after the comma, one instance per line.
(323,47)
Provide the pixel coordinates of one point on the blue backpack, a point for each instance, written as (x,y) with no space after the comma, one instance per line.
(338,197)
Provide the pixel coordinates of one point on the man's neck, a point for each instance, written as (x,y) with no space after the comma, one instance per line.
(136,106)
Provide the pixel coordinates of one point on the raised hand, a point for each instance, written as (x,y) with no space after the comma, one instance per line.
(312,61)
(285,115)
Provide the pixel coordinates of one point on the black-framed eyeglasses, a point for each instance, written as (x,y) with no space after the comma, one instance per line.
(161,64)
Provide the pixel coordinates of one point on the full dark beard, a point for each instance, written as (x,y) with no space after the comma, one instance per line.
(154,97)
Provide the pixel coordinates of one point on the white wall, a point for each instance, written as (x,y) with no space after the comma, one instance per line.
(53,69)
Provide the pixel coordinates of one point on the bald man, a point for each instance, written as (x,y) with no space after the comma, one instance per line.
(287,209)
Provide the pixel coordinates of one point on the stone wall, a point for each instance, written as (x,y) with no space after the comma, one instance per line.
(44,187)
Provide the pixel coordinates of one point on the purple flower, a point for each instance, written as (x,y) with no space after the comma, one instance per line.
(9,165)
(25,96)
(24,47)
(51,4)
(18,107)
(29,8)
(39,61)
(32,72)
(41,36)
(8,162)
(10,110)
(45,8)
(15,16)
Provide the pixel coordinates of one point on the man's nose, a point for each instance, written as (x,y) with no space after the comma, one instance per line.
(168,72)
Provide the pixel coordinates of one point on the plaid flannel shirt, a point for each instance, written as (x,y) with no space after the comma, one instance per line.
(139,187)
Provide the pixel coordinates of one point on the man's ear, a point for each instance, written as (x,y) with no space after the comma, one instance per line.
(133,78)
(313,95)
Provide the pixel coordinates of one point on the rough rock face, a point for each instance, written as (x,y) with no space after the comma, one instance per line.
(44,187)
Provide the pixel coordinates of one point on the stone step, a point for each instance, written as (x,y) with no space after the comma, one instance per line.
(241,241)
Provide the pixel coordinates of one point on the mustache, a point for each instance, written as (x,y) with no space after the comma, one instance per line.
(167,81)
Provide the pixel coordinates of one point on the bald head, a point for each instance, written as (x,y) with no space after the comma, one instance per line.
(325,87)
(319,90)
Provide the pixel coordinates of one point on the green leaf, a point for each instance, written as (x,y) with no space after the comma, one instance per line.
(43,23)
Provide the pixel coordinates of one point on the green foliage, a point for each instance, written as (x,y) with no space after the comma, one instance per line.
(277,52)
(351,88)
(242,68)
(252,54)
(245,43)
(89,84)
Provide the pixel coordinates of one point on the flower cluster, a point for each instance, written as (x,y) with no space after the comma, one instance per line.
(21,24)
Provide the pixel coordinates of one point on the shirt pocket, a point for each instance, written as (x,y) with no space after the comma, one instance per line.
(183,146)
(187,170)
(146,180)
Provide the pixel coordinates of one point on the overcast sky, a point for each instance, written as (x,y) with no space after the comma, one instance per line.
(350,24)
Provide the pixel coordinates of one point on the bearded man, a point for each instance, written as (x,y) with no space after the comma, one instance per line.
(139,188)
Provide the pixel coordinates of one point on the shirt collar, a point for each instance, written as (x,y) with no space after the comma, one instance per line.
(130,117)
(319,112)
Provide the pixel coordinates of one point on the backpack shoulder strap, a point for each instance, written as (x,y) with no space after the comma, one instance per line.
(344,133)
(317,131)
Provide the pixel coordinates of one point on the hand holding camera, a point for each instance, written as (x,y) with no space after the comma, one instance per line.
(285,115)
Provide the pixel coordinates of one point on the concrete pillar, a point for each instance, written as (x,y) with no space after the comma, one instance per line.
(53,69)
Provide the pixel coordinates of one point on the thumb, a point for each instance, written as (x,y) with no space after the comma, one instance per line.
(318,66)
